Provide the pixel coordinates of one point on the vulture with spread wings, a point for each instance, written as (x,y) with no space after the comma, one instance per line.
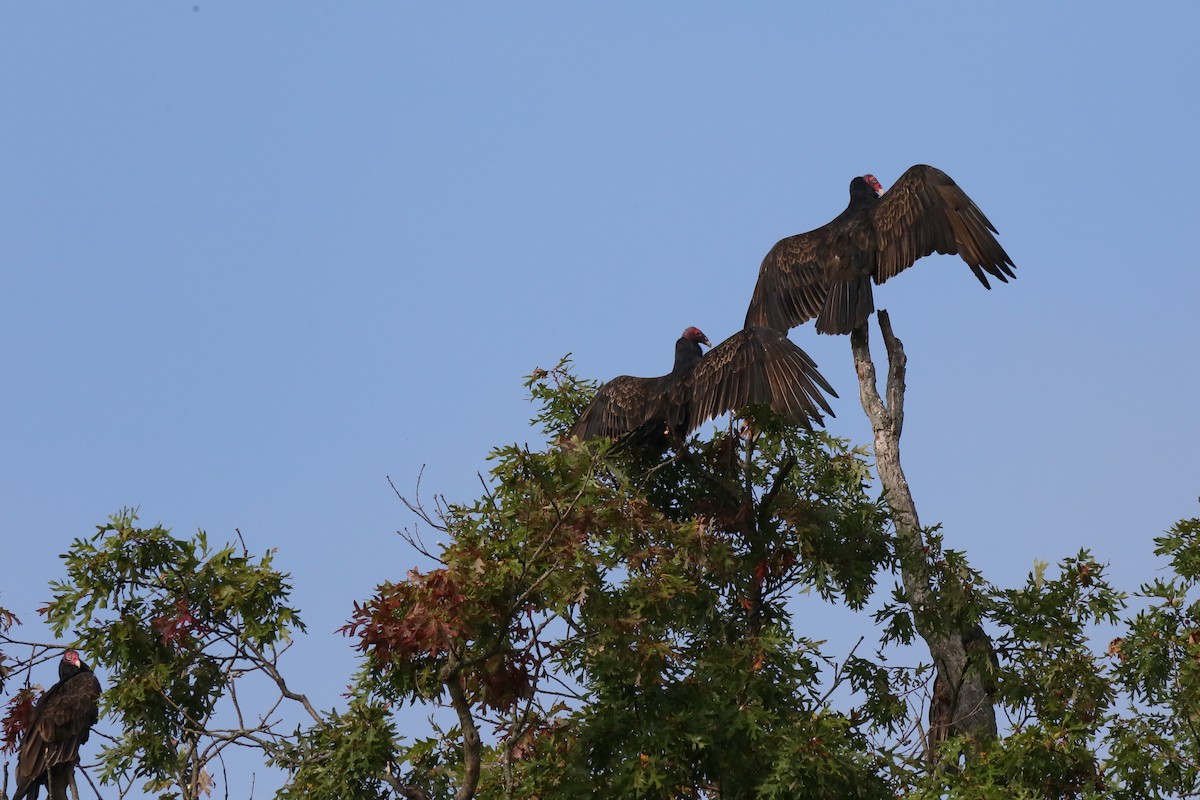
(827,273)
(755,365)
(61,722)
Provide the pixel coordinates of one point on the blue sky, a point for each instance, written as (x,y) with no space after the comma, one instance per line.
(255,258)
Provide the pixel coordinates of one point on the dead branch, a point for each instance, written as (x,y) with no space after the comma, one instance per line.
(971,709)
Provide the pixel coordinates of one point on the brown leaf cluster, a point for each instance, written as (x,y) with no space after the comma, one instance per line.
(16,721)
(420,617)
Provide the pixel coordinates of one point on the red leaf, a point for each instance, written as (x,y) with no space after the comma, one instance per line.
(17,719)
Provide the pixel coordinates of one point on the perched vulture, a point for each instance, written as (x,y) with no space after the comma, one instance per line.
(827,273)
(59,724)
(755,365)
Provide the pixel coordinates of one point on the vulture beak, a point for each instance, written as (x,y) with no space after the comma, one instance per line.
(706,342)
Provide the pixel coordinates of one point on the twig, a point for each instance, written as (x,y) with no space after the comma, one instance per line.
(839,674)
(245,549)
(273,673)
(88,778)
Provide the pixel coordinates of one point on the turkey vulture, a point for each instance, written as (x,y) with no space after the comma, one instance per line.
(827,273)
(59,724)
(755,365)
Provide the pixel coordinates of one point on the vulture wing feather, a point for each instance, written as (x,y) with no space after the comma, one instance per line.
(791,283)
(926,212)
(758,365)
(622,405)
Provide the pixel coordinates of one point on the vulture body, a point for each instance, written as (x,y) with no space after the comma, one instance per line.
(61,722)
(755,365)
(827,273)
(643,410)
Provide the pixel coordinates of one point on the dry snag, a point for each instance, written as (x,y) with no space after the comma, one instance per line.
(962,701)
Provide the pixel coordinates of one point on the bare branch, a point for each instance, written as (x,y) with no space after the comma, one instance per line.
(268,666)
(971,706)
(417,507)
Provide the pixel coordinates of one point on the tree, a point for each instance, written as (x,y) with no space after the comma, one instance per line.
(179,628)
(606,621)
(621,620)
(621,623)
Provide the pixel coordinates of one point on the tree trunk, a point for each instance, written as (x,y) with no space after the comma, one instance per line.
(966,704)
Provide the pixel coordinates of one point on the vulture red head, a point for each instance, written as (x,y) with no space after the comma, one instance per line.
(694,334)
(72,658)
(874,183)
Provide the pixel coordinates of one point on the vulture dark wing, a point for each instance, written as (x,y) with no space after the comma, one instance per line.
(622,405)
(791,284)
(758,365)
(926,212)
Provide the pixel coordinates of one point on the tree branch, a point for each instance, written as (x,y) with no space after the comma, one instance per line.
(472,748)
(268,667)
(764,508)
(404,790)
(971,709)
